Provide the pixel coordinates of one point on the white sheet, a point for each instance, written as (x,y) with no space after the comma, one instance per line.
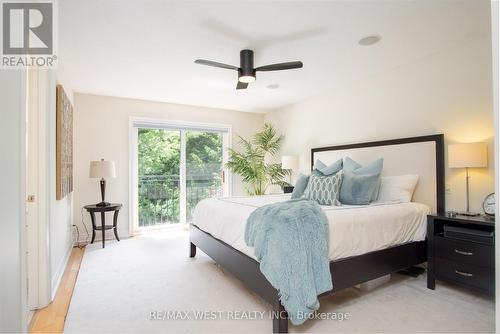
(354,230)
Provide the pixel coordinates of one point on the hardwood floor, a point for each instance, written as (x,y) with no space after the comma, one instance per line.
(51,318)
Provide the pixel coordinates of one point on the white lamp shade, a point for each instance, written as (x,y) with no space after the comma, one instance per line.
(102,169)
(290,162)
(473,155)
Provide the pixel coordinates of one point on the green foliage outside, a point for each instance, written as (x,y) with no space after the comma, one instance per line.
(251,163)
(159,166)
(203,167)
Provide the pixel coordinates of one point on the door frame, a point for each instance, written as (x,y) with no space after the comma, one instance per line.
(38,95)
(182,126)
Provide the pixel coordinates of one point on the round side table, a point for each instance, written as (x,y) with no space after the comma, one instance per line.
(92,209)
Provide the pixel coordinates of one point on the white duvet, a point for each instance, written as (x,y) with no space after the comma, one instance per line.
(354,230)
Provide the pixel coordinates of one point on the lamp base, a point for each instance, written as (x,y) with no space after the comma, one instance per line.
(103,204)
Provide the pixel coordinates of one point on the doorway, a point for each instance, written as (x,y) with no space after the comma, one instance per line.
(175,166)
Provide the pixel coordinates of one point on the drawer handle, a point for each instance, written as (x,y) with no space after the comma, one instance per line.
(463,253)
(463,273)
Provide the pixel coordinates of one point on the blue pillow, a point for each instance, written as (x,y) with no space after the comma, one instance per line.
(330,169)
(300,186)
(324,189)
(372,168)
(358,189)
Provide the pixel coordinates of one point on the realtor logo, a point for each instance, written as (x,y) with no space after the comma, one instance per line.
(28,34)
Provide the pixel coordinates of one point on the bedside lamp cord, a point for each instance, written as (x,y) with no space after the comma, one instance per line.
(78,232)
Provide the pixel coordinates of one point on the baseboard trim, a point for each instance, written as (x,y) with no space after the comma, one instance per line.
(110,238)
(56,280)
(98,237)
(99,240)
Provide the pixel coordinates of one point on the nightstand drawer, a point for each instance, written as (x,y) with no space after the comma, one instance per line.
(465,252)
(478,277)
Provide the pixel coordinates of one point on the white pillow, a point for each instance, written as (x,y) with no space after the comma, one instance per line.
(397,188)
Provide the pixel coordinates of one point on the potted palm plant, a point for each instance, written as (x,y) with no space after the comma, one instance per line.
(251,163)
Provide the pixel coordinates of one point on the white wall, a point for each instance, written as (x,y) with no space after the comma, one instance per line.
(102,131)
(12,260)
(447,92)
(61,211)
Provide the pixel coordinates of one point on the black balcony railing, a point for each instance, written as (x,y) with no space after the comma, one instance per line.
(159,196)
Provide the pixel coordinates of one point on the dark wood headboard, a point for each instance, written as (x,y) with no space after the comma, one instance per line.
(438,150)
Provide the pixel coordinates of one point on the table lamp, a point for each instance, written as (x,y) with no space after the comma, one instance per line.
(472,155)
(102,169)
(290,162)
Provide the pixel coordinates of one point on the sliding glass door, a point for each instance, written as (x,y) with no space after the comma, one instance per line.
(204,167)
(173,169)
(158,176)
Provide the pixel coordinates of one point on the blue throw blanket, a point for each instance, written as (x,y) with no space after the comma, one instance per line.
(291,243)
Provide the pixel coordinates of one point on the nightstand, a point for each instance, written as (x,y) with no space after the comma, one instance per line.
(463,255)
(93,209)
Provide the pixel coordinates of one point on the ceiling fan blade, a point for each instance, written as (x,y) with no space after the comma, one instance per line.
(241,85)
(215,64)
(281,66)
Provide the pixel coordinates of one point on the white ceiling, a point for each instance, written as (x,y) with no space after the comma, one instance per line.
(145,49)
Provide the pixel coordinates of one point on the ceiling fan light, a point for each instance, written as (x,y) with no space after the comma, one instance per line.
(246,78)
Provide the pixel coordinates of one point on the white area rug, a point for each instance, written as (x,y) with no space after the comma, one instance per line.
(119,286)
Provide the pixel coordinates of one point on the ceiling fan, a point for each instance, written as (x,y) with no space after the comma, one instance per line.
(246,71)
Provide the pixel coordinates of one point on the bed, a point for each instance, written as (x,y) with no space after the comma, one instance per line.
(389,237)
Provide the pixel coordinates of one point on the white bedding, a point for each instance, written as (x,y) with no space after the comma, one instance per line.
(354,230)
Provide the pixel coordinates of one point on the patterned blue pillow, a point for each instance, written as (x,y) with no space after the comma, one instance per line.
(324,189)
